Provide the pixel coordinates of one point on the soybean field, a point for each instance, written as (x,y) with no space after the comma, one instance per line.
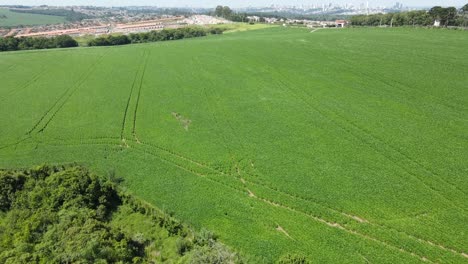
(344,145)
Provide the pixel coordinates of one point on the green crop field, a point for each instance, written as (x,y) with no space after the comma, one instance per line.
(11,19)
(348,146)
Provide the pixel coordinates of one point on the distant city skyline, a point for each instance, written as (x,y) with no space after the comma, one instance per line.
(232,3)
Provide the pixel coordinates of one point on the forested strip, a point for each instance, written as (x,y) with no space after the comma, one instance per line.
(29,43)
(154,36)
(65,214)
(65,41)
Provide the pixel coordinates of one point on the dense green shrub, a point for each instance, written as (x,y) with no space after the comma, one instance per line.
(449,16)
(154,36)
(29,43)
(66,215)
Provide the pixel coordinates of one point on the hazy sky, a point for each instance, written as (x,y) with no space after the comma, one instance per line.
(232,3)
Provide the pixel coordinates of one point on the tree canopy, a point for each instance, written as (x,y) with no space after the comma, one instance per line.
(465,8)
(28,43)
(153,36)
(66,214)
(448,16)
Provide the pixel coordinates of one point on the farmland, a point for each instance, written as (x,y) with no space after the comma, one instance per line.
(17,19)
(348,146)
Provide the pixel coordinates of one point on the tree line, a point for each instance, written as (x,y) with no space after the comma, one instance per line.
(227,13)
(29,43)
(65,41)
(448,16)
(154,36)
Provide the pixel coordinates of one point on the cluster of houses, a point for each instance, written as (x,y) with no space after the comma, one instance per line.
(308,23)
(205,20)
(124,28)
(155,24)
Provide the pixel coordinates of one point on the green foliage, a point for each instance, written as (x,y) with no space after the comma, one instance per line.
(227,13)
(28,43)
(64,215)
(48,208)
(183,245)
(9,185)
(446,16)
(154,36)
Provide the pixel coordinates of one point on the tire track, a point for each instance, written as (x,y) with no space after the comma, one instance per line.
(33,80)
(138,96)
(388,84)
(401,86)
(124,120)
(320,205)
(67,94)
(276,204)
(343,228)
(16,143)
(210,103)
(372,144)
(406,156)
(345,127)
(98,141)
(203,176)
(223,111)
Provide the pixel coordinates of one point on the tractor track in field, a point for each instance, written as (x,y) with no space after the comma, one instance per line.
(376,149)
(210,103)
(232,130)
(115,143)
(343,228)
(276,204)
(295,197)
(66,96)
(406,156)
(401,86)
(203,176)
(139,95)
(30,82)
(12,67)
(361,220)
(127,106)
(16,143)
(324,207)
(381,141)
(348,127)
(181,167)
(388,84)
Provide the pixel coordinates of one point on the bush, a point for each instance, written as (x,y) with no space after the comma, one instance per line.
(183,246)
